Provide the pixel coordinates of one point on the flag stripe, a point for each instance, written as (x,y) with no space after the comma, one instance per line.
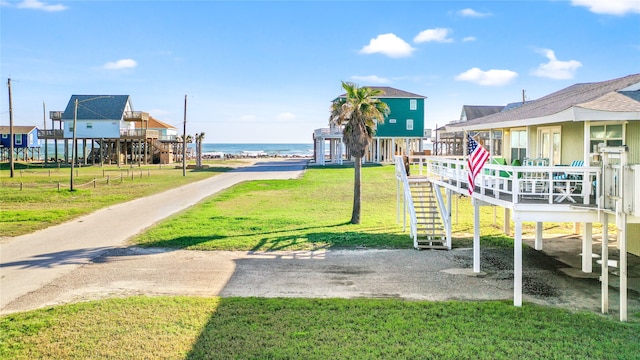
(475,162)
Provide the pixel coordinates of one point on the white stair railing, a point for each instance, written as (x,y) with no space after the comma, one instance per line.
(401,177)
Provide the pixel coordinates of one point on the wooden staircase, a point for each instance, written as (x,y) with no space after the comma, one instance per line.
(429,224)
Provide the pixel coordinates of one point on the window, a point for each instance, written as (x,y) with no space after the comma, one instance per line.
(413,104)
(392,121)
(5,136)
(409,124)
(18,139)
(518,145)
(71,128)
(89,125)
(610,135)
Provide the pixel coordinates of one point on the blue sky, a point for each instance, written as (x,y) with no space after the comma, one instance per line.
(266,71)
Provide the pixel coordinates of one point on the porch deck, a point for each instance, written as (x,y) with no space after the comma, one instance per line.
(531,190)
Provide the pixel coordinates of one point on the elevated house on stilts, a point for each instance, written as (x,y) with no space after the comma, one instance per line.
(578,161)
(108,130)
(401,133)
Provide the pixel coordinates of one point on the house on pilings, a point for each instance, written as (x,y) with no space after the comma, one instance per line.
(108,130)
(401,133)
(578,161)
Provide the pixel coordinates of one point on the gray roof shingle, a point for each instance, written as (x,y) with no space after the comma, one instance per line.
(96,107)
(389,92)
(558,101)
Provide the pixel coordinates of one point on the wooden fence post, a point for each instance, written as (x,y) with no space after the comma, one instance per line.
(107,179)
(94,183)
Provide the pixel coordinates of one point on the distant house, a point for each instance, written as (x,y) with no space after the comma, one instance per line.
(117,134)
(452,142)
(401,133)
(98,116)
(26,143)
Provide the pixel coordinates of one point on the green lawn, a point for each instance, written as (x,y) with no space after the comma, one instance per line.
(312,213)
(40,204)
(254,328)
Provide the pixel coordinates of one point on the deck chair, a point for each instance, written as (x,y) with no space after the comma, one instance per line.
(565,183)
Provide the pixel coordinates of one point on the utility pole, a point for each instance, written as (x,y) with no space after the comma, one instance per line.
(523,96)
(44,121)
(73,143)
(11,139)
(184,140)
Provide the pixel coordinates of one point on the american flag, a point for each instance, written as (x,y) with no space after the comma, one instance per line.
(477,157)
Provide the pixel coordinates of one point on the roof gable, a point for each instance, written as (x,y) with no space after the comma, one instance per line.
(559,101)
(477,111)
(97,107)
(389,92)
(17,129)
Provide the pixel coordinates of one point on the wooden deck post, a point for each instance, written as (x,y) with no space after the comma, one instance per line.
(517,264)
(587,249)
(538,243)
(604,275)
(476,235)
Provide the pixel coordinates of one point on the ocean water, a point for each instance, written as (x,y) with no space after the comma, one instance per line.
(283,150)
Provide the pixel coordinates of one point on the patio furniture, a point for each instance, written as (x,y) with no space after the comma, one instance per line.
(566,183)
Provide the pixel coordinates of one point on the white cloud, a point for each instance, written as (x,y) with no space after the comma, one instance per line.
(472,13)
(611,7)
(121,64)
(469,38)
(388,44)
(487,78)
(371,79)
(39,5)
(437,35)
(556,69)
(285,117)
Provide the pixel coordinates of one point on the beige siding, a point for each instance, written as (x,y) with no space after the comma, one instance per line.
(633,241)
(572,142)
(633,141)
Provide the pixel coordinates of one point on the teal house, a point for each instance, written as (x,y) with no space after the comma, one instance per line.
(403,129)
(401,133)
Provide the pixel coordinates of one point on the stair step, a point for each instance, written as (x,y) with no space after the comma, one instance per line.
(433,247)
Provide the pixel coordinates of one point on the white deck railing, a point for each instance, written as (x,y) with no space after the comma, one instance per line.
(516,184)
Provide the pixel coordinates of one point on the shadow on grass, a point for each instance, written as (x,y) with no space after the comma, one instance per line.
(303,238)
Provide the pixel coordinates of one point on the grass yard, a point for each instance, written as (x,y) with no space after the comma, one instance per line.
(312,213)
(39,204)
(254,328)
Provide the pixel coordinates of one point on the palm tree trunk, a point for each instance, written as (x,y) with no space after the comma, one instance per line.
(357,166)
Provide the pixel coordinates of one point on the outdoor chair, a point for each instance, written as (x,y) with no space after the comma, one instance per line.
(566,183)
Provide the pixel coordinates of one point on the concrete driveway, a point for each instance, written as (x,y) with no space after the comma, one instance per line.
(29,262)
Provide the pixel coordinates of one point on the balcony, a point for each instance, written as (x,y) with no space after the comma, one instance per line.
(328,133)
(515,186)
(51,134)
(138,134)
(56,115)
(136,116)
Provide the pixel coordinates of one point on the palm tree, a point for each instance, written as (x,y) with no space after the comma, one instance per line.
(358,112)
(199,137)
